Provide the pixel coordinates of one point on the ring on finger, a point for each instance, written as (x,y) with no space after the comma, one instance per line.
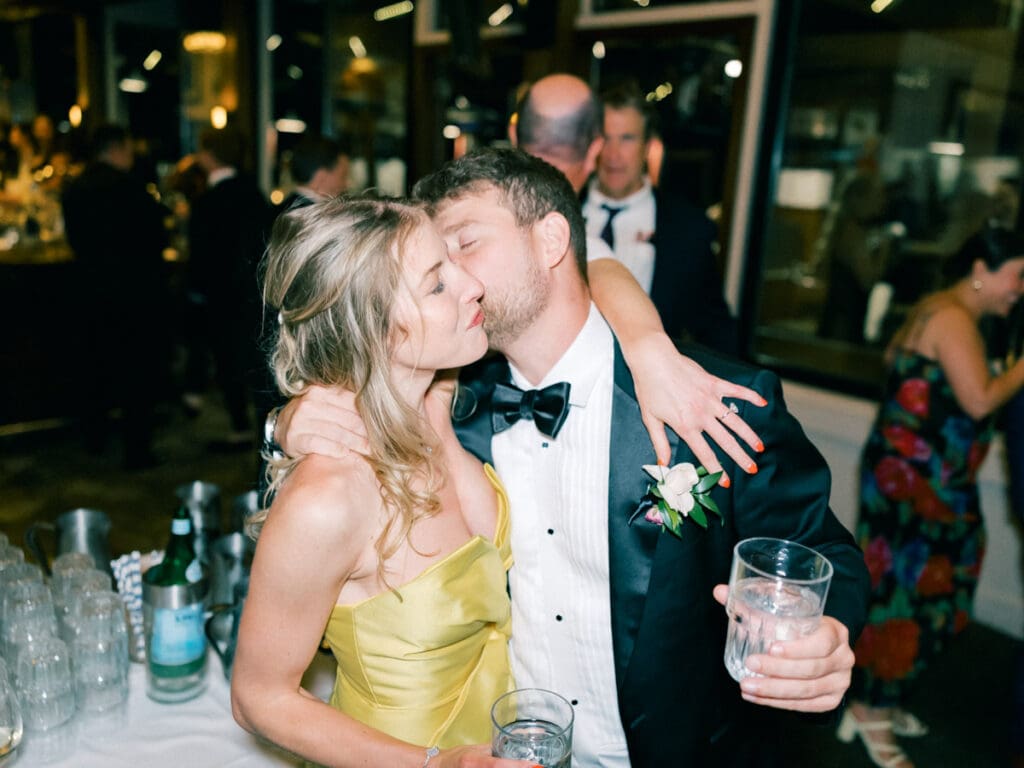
(729,411)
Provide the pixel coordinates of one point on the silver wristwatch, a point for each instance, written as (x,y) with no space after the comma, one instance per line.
(270,444)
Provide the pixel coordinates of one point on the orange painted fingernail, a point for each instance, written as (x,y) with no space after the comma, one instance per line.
(660,464)
(763,402)
(759,447)
(752,468)
(725,482)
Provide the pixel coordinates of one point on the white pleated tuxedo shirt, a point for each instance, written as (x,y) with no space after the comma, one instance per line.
(558,491)
(632,228)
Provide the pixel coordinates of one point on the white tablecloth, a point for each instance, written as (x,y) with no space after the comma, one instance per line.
(200,733)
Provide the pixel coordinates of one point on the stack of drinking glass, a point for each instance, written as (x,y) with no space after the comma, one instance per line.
(63,650)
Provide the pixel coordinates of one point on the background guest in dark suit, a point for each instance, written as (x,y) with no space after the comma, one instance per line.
(227,232)
(666,242)
(319,167)
(117,232)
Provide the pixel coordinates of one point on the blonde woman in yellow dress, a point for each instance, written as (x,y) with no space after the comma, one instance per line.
(401,554)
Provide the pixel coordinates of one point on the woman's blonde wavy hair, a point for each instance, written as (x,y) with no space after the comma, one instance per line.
(333,271)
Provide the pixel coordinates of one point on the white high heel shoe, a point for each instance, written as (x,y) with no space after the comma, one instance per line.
(907,724)
(882,754)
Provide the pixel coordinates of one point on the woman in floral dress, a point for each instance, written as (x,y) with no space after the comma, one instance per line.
(920,523)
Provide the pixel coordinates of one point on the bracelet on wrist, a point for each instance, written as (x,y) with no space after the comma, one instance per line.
(434,751)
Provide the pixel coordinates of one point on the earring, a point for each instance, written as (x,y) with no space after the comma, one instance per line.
(976,285)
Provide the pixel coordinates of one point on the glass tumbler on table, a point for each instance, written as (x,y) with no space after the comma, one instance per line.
(99,653)
(777,592)
(533,724)
(43,681)
(11,728)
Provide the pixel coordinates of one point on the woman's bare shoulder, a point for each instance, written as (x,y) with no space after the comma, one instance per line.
(934,320)
(334,497)
(949,317)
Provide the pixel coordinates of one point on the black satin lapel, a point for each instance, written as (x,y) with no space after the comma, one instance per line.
(631,548)
(472,420)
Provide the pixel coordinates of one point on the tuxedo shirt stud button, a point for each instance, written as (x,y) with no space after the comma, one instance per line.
(558,617)
(551,531)
(574,702)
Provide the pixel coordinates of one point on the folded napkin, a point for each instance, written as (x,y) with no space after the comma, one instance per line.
(128,571)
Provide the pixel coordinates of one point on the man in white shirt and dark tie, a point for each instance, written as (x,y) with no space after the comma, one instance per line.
(665,242)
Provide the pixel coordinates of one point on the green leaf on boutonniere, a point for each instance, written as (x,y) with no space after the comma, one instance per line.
(698,516)
(673,520)
(707,482)
(709,504)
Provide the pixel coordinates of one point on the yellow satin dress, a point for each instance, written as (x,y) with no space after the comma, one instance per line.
(426,667)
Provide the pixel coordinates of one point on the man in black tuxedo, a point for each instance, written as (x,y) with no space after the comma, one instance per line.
(665,241)
(622,617)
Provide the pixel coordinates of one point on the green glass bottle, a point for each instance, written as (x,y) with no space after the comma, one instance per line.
(180,565)
(173,593)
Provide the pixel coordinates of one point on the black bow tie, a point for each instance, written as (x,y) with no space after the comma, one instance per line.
(547,407)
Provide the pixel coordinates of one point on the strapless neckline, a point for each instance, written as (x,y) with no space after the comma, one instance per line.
(419,576)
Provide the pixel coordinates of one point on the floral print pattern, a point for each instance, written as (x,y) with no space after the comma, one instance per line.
(920,527)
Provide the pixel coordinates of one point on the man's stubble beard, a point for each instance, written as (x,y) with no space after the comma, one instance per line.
(508,315)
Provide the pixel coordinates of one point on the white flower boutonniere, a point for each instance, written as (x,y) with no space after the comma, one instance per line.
(680,491)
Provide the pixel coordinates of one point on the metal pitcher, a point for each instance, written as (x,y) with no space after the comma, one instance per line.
(80,530)
(203,502)
(222,626)
(245,506)
(230,561)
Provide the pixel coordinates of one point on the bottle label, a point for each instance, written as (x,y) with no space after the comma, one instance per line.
(177,636)
(181,526)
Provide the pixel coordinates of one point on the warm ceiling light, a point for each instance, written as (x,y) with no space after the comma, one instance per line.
(205,42)
(501,15)
(880,5)
(75,115)
(152,60)
(391,11)
(950,148)
(451,131)
(218,117)
(133,84)
(274,42)
(290,125)
(357,47)
(733,68)
(598,50)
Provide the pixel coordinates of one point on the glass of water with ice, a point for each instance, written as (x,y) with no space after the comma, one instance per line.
(533,724)
(777,591)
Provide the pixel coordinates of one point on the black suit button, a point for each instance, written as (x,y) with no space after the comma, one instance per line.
(574,702)
(558,617)
(551,531)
